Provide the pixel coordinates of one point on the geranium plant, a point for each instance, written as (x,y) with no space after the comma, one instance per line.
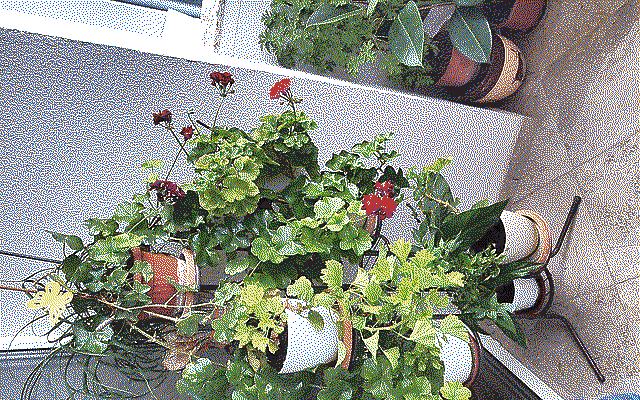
(282,230)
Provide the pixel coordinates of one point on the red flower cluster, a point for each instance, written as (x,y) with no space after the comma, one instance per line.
(381,202)
(187,132)
(162,116)
(280,89)
(167,190)
(221,79)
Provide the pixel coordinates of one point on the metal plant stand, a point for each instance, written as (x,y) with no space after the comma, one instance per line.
(544,275)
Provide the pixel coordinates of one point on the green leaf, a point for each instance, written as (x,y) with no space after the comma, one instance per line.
(451,325)
(424,333)
(372,343)
(371,7)
(74,242)
(406,36)
(301,289)
(188,325)
(92,342)
(393,355)
(511,328)
(470,33)
(470,226)
(240,264)
(152,164)
(316,320)
(455,391)
(71,266)
(143,268)
(265,251)
(327,206)
(342,352)
(401,248)
(332,275)
(328,14)
(202,380)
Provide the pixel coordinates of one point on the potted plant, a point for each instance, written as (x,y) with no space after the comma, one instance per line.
(286,231)
(416,45)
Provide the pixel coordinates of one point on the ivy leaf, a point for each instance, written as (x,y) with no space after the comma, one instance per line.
(143,268)
(372,343)
(455,279)
(152,164)
(323,299)
(455,391)
(393,355)
(342,352)
(316,320)
(451,325)
(92,342)
(202,380)
(240,264)
(424,333)
(301,289)
(74,242)
(73,268)
(104,227)
(371,7)
(406,36)
(188,325)
(327,206)
(373,292)
(401,248)
(383,269)
(332,275)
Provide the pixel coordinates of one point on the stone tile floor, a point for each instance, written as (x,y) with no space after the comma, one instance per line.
(583,138)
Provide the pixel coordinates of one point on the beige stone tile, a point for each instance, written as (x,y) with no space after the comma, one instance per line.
(624,262)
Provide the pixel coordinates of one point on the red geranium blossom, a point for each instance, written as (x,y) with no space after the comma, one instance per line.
(162,116)
(280,88)
(187,132)
(384,189)
(222,79)
(382,206)
(167,190)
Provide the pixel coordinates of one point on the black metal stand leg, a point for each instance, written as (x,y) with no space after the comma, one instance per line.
(583,348)
(549,315)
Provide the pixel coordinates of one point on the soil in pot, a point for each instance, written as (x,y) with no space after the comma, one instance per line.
(500,78)
(515,15)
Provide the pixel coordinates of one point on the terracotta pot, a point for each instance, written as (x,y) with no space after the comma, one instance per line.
(167,268)
(461,359)
(451,67)
(500,78)
(517,15)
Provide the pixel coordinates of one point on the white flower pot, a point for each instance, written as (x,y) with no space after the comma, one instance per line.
(525,295)
(521,236)
(308,347)
(460,359)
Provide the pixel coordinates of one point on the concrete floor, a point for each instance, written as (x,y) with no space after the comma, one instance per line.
(583,138)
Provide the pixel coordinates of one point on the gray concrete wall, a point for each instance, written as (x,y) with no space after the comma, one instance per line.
(76,125)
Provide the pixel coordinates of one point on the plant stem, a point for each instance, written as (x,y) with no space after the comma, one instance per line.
(15,289)
(215,119)
(170,129)
(173,164)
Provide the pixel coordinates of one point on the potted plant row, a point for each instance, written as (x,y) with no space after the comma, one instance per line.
(283,321)
(418,44)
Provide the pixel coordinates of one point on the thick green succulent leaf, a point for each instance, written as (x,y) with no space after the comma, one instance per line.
(470,33)
(470,226)
(406,36)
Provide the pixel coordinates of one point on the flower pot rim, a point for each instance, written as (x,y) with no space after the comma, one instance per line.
(543,252)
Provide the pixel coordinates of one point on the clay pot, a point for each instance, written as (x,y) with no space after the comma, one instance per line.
(167,268)
(461,359)
(451,67)
(500,78)
(516,15)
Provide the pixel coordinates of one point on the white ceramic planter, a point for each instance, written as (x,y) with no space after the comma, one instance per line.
(459,359)
(526,294)
(521,236)
(308,347)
